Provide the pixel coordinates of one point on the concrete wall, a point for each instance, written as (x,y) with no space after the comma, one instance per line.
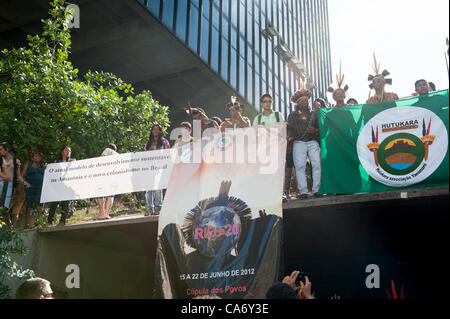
(406,239)
(116,260)
(28,261)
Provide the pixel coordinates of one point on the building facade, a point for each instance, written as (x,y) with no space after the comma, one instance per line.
(255,46)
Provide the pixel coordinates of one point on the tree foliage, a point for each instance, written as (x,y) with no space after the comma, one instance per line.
(44,104)
(11,243)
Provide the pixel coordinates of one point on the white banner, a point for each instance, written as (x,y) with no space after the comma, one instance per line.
(108,175)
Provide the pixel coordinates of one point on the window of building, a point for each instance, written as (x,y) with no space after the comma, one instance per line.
(257,34)
(206,8)
(233,67)
(275,85)
(215,49)
(154,7)
(224,63)
(181,19)
(234,12)
(263,71)
(270,80)
(226,7)
(269,55)
(225,24)
(242,15)
(242,68)
(168,13)
(193,27)
(250,84)
(257,89)
(216,17)
(263,50)
(275,64)
(274,14)
(234,37)
(204,45)
(242,46)
(250,24)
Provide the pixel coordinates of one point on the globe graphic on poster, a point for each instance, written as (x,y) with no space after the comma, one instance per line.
(218,224)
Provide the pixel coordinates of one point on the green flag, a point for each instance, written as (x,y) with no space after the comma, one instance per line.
(385,146)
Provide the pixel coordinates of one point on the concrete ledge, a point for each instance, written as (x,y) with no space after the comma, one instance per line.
(368,197)
(117,221)
(290,205)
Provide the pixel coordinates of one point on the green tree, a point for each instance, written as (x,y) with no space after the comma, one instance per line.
(10,243)
(44,104)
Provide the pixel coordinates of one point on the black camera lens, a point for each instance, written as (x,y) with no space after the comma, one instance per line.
(300,277)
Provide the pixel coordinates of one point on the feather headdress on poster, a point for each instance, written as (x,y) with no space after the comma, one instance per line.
(213,227)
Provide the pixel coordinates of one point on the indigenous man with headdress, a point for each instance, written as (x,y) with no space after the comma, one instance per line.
(303,130)
(379,81)
(236,120)
(340,93)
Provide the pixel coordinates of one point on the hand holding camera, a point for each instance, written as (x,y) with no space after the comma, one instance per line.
(299,282)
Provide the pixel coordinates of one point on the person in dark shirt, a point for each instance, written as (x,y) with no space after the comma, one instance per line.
(63,156)
(33,172)
(303,130)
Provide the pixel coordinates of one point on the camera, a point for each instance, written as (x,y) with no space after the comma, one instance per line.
(300,277)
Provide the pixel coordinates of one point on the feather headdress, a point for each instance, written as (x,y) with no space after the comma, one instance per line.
(339,81)
(302,92)
(376,69)
(234,102)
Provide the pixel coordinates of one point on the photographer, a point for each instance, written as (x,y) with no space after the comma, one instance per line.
(291,288)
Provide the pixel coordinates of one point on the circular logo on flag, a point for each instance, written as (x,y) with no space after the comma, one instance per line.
(224,141)
(402,146)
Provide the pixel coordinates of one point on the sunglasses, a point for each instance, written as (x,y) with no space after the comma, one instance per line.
(267,101)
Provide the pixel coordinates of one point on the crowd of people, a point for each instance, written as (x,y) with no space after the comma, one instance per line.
(302,167)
